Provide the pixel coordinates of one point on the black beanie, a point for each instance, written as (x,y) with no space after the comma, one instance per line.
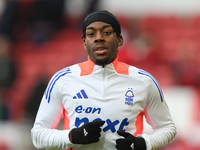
(103,16)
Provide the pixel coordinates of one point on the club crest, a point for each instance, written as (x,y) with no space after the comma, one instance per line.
(129,97)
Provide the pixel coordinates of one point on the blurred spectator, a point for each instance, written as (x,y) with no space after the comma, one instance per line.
(7,68)
(84,7)
(34,99)
(7,76)
(33,19)
(22,20)
(142,47)
(185,65)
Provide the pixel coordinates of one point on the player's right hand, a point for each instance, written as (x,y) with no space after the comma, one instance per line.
(86,134)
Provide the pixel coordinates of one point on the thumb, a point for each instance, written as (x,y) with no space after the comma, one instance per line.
(98,123)
(122,133)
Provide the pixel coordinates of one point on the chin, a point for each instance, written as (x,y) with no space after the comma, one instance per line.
(102,62)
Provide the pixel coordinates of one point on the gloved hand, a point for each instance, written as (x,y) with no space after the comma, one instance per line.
(129,142)
(86,134)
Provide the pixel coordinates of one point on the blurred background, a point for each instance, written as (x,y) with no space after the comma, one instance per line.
(40,37)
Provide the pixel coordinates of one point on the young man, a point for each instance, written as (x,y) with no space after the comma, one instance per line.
(102,100)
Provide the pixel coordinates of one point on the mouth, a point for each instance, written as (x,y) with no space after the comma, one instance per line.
(100,49)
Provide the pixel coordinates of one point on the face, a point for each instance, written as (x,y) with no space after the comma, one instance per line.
(101,43)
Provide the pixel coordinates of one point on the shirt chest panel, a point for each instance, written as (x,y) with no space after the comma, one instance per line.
(114,97)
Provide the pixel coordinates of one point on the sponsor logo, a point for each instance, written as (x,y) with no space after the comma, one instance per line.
(110,125)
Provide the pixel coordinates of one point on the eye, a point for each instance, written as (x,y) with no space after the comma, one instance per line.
(90,34)
(107,32)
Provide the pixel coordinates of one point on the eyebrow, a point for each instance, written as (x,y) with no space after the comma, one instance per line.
(105,26)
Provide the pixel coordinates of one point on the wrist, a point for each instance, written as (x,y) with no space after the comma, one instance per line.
(70,136)
(146,139)
(139,143)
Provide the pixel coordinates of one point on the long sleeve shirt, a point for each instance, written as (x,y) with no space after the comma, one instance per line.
(117,93)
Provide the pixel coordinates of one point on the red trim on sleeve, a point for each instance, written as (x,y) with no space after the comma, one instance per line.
(139,124)
(66,120)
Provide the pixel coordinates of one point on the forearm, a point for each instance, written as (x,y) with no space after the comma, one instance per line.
(160,137)
(44,138)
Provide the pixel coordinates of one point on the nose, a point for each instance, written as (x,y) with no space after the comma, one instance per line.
(99,37)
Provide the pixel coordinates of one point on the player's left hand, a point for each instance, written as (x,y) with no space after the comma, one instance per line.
(130,142)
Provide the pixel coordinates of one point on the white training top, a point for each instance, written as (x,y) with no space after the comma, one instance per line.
(116,93)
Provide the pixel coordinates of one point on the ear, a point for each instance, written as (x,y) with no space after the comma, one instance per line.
(119,40)
(84,44)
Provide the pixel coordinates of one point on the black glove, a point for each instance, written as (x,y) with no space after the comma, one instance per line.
(129,142)
(86,134)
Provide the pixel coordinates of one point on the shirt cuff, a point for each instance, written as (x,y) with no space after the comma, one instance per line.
(148,145)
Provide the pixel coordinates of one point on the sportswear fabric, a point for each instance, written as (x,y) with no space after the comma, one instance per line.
(117,93)
(103,16)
